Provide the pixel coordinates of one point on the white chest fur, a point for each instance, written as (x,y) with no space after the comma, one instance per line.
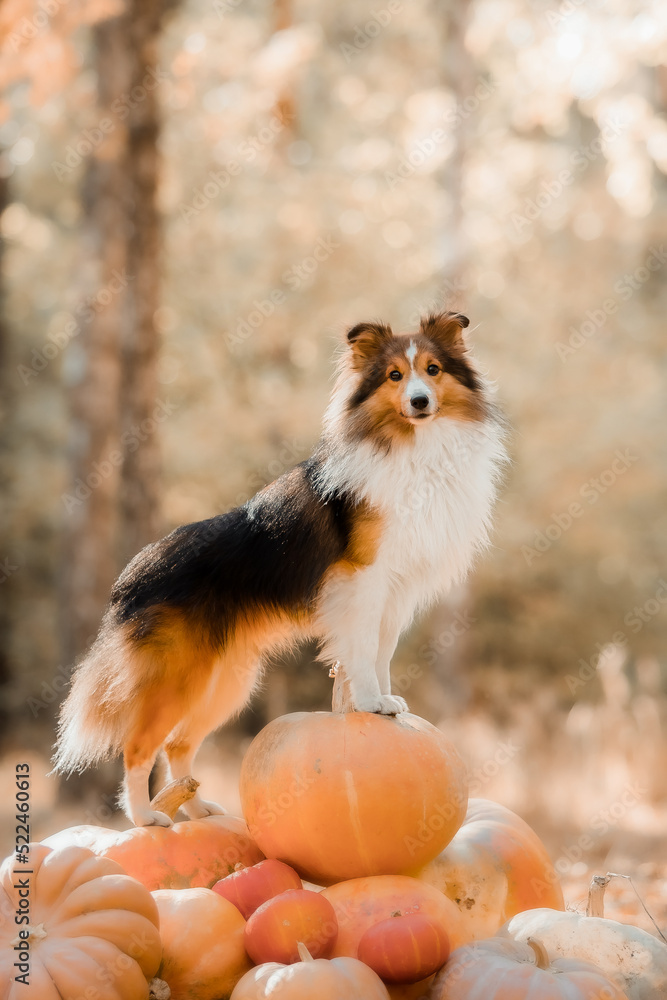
(435,496)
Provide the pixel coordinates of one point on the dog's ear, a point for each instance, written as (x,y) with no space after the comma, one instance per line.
(446,327)
(366,339)
(462,320)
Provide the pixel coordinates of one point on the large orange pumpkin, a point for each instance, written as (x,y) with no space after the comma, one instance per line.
(311,979)
(506,970)
(338,796)
(202,939)
(195,852)
(362,902)
(494,867)
(88,926)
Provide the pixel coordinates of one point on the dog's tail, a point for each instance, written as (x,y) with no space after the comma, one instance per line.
(92,723)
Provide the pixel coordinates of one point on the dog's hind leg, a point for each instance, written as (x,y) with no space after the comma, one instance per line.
(139,752)
(230,688)
(180,750)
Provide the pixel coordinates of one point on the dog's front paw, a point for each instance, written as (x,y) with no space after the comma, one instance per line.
(384,704)
(391,704)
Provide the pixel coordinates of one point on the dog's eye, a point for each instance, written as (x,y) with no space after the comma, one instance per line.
(432,370)
(395,376)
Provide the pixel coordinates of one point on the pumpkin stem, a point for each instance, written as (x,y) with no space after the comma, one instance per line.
(170,798)
(36,933)
(605,879)
(158,990)
(542,960)
(595,905)
(341,700)
(304,954)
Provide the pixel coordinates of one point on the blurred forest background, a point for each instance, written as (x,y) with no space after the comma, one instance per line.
(196,198)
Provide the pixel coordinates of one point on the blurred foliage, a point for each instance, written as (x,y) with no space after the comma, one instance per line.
(307,164)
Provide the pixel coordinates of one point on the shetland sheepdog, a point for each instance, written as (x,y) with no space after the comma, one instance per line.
(384,517)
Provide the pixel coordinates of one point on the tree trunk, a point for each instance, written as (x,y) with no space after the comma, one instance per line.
(285,107)
(139,494)
(459,78)
(6,568)
(114,506)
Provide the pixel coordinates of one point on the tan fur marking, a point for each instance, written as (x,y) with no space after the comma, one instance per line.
(233,679)
(457,401)
(380,416)
(173,675)
(365,536)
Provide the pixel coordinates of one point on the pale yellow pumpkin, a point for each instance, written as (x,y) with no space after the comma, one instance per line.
(311,979)
(89,927)
(494,867)
(202,939)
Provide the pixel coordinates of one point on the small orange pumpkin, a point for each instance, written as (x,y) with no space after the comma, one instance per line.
(276,928)
(494,867)
(314,789)
(195,852)
(405,948)
(506,970)
(248,888)
(311,979)
(202,938)
(83,924)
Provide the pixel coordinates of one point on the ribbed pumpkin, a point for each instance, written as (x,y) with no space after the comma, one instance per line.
(505,970)
(311,979)
(338,796)
(195,852)
(90,927)
(494,867)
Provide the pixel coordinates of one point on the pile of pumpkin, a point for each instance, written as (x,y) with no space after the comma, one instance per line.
(359,872)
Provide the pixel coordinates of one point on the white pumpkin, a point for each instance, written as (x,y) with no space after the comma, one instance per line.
(631,957)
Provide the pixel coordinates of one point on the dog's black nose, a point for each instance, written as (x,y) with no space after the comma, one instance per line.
(419,402)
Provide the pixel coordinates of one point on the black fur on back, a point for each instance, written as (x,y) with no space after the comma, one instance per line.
(271,553)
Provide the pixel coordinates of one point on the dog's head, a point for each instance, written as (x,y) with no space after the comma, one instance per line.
(407,381)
